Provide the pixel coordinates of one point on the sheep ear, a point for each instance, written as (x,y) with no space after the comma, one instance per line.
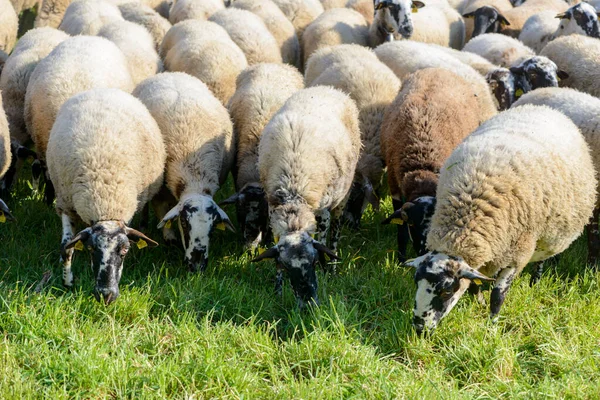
(503,20)
(273,252)
(139,238)
(415,262)
(224,219)
(82,236)
(230,200)
(324,249)
(370,195)
(469,15)
(562,74)
(398,217)
(473,274)
(418,4)
(171,215)
(563,15)
(24,153)
(5,212)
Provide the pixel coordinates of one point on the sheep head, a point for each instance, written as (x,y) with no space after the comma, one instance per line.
(396,15)
(487,19)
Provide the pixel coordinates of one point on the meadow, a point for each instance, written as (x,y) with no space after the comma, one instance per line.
(226,334)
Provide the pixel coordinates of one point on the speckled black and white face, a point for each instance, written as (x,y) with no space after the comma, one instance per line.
(419,219)
(502,84)
(298,256)
(581,19)
(397,15)
(536,72)
(198,216)
(441,280)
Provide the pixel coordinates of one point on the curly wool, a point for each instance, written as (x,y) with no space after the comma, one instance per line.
(105,156)
(32,47)
(307,155)
(521,188)
(261,91)
(499,49)
(87,17)
(197,131)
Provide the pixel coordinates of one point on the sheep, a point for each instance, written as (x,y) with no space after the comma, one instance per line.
(439,24)
(77,64)
(373,87)
(501,201)
(260,91)
(584,110)
(405,57)
(251,35)
(200,147)
(478,63)
(581,19)
(364,7)
(148,18)
(470,7)
(137,45)
(306,159)
(206,52)
(539,29)
(24,5)
(277,23)
(300,13)
(5,160)
(194,9)
(9,25)
(579,57)
(499,49)
(326,57)
(333,27)
(432,114)
(51,13)
(106,157)
(86,17)
(491,20)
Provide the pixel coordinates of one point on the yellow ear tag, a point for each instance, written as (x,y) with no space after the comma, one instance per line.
(397,221)
(477,282)
(2,217)
(78,246)
(327,258)
(261,250)
(276,238)
(221,226)
(141,244)
(313,235)
(168,224)
(415,9)
(519,93)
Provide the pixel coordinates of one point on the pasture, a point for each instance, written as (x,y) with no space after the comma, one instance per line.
(225,334)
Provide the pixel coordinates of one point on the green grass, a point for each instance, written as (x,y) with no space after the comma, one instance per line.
(225,334)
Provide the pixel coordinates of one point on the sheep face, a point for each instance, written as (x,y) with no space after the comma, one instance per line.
(502,84)
(441,280)
(536,72)
(395,16)
(417,214)
(252,212)
(198,216)
(487,20)
(581,19)
(108,244)
(297,253)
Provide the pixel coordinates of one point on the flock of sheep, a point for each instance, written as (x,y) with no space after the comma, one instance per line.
(484,113)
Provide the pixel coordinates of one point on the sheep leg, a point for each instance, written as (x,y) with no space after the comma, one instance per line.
(503,282)
(538,270)
(66,256)
(279,282)
(593,236)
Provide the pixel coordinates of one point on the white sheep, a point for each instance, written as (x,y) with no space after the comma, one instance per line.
(148,18)
(138,46)
(306,159)
(280,27)
(300,13)
(584,111)
(203,49)
(9,24)
(501,202)
(250,33)
(51,13)
(478,63)
(198,136)
(499,49)
(77,64)
(581,19)
(86,17)
(182,10)
(470,7)
(405,57)
(333,27)
(261,90)
(331,55)
(5,160)
(365,7)
(579,57)
(106,157)
(539,29)
(373,87)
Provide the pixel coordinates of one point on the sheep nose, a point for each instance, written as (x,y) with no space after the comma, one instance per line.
(197,264)
(107,295)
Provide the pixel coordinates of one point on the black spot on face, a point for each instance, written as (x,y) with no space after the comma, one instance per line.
(299,260)
(586,20)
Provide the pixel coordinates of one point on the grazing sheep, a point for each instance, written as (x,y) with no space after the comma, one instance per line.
(9,25)
(203,49)
(539,29)
(86,17)
(584,111)
(470,7)
(501,200)
(250,34)
(106,157)
(333,27)
(77,64)
(198,135)
(373,87)
(148,18)
(5,160)
(306,159)
(194,9)
(579,57)
(499,49)
(137,45)
(432,114)
(261,91)
(581,19)
(511,22)
(277,23)
(405,57)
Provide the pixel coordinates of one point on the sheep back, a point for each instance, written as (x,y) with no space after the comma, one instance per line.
(86,17)
(499,49)
(194,9)
(9,24)
(148,18)
(326,57)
